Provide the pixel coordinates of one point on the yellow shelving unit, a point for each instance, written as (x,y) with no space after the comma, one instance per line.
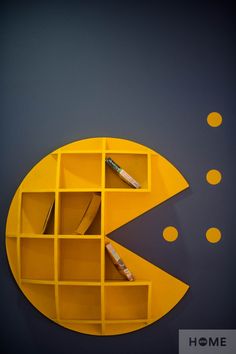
(69,277)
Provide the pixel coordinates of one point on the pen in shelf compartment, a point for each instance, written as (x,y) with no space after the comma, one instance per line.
(122,173)
(117,261)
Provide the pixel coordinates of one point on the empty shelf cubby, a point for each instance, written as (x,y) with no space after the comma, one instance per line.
(79,302)
(136,165)
(72,207)
(43,177)
(126,302)
(79,260)
(37,258)
(42,296)
(81,170)
(36,208)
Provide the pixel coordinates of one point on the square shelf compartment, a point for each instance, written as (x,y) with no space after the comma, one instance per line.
(36,208)
(43,175)
(79,302)
(79,260)
(127,302)
(81,170)
(72,207)
(136,165)
(42,297)
(37,258)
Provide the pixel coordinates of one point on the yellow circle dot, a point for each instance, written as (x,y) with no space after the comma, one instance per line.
(213,177)
(214,119)
(170,233)
(213,235)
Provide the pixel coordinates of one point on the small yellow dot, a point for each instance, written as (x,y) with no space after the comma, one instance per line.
(170,233)
(214,119)
(213,177)
(213,235)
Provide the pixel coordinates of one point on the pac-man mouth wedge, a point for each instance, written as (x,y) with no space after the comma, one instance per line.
(58,226)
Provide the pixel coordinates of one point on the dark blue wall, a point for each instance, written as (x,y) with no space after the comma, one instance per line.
(145,72)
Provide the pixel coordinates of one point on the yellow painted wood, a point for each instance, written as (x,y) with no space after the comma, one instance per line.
(166,181)
(166,290)
(80,259)
(89,214)
(43,175)
(70,278)
(81,170)
(12,254)
(37,258)
(135,165)
(34,211)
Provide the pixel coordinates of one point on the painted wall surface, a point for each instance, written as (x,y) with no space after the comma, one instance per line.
(142,71)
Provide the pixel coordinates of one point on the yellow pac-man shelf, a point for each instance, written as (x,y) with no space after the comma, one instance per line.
(68,276)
